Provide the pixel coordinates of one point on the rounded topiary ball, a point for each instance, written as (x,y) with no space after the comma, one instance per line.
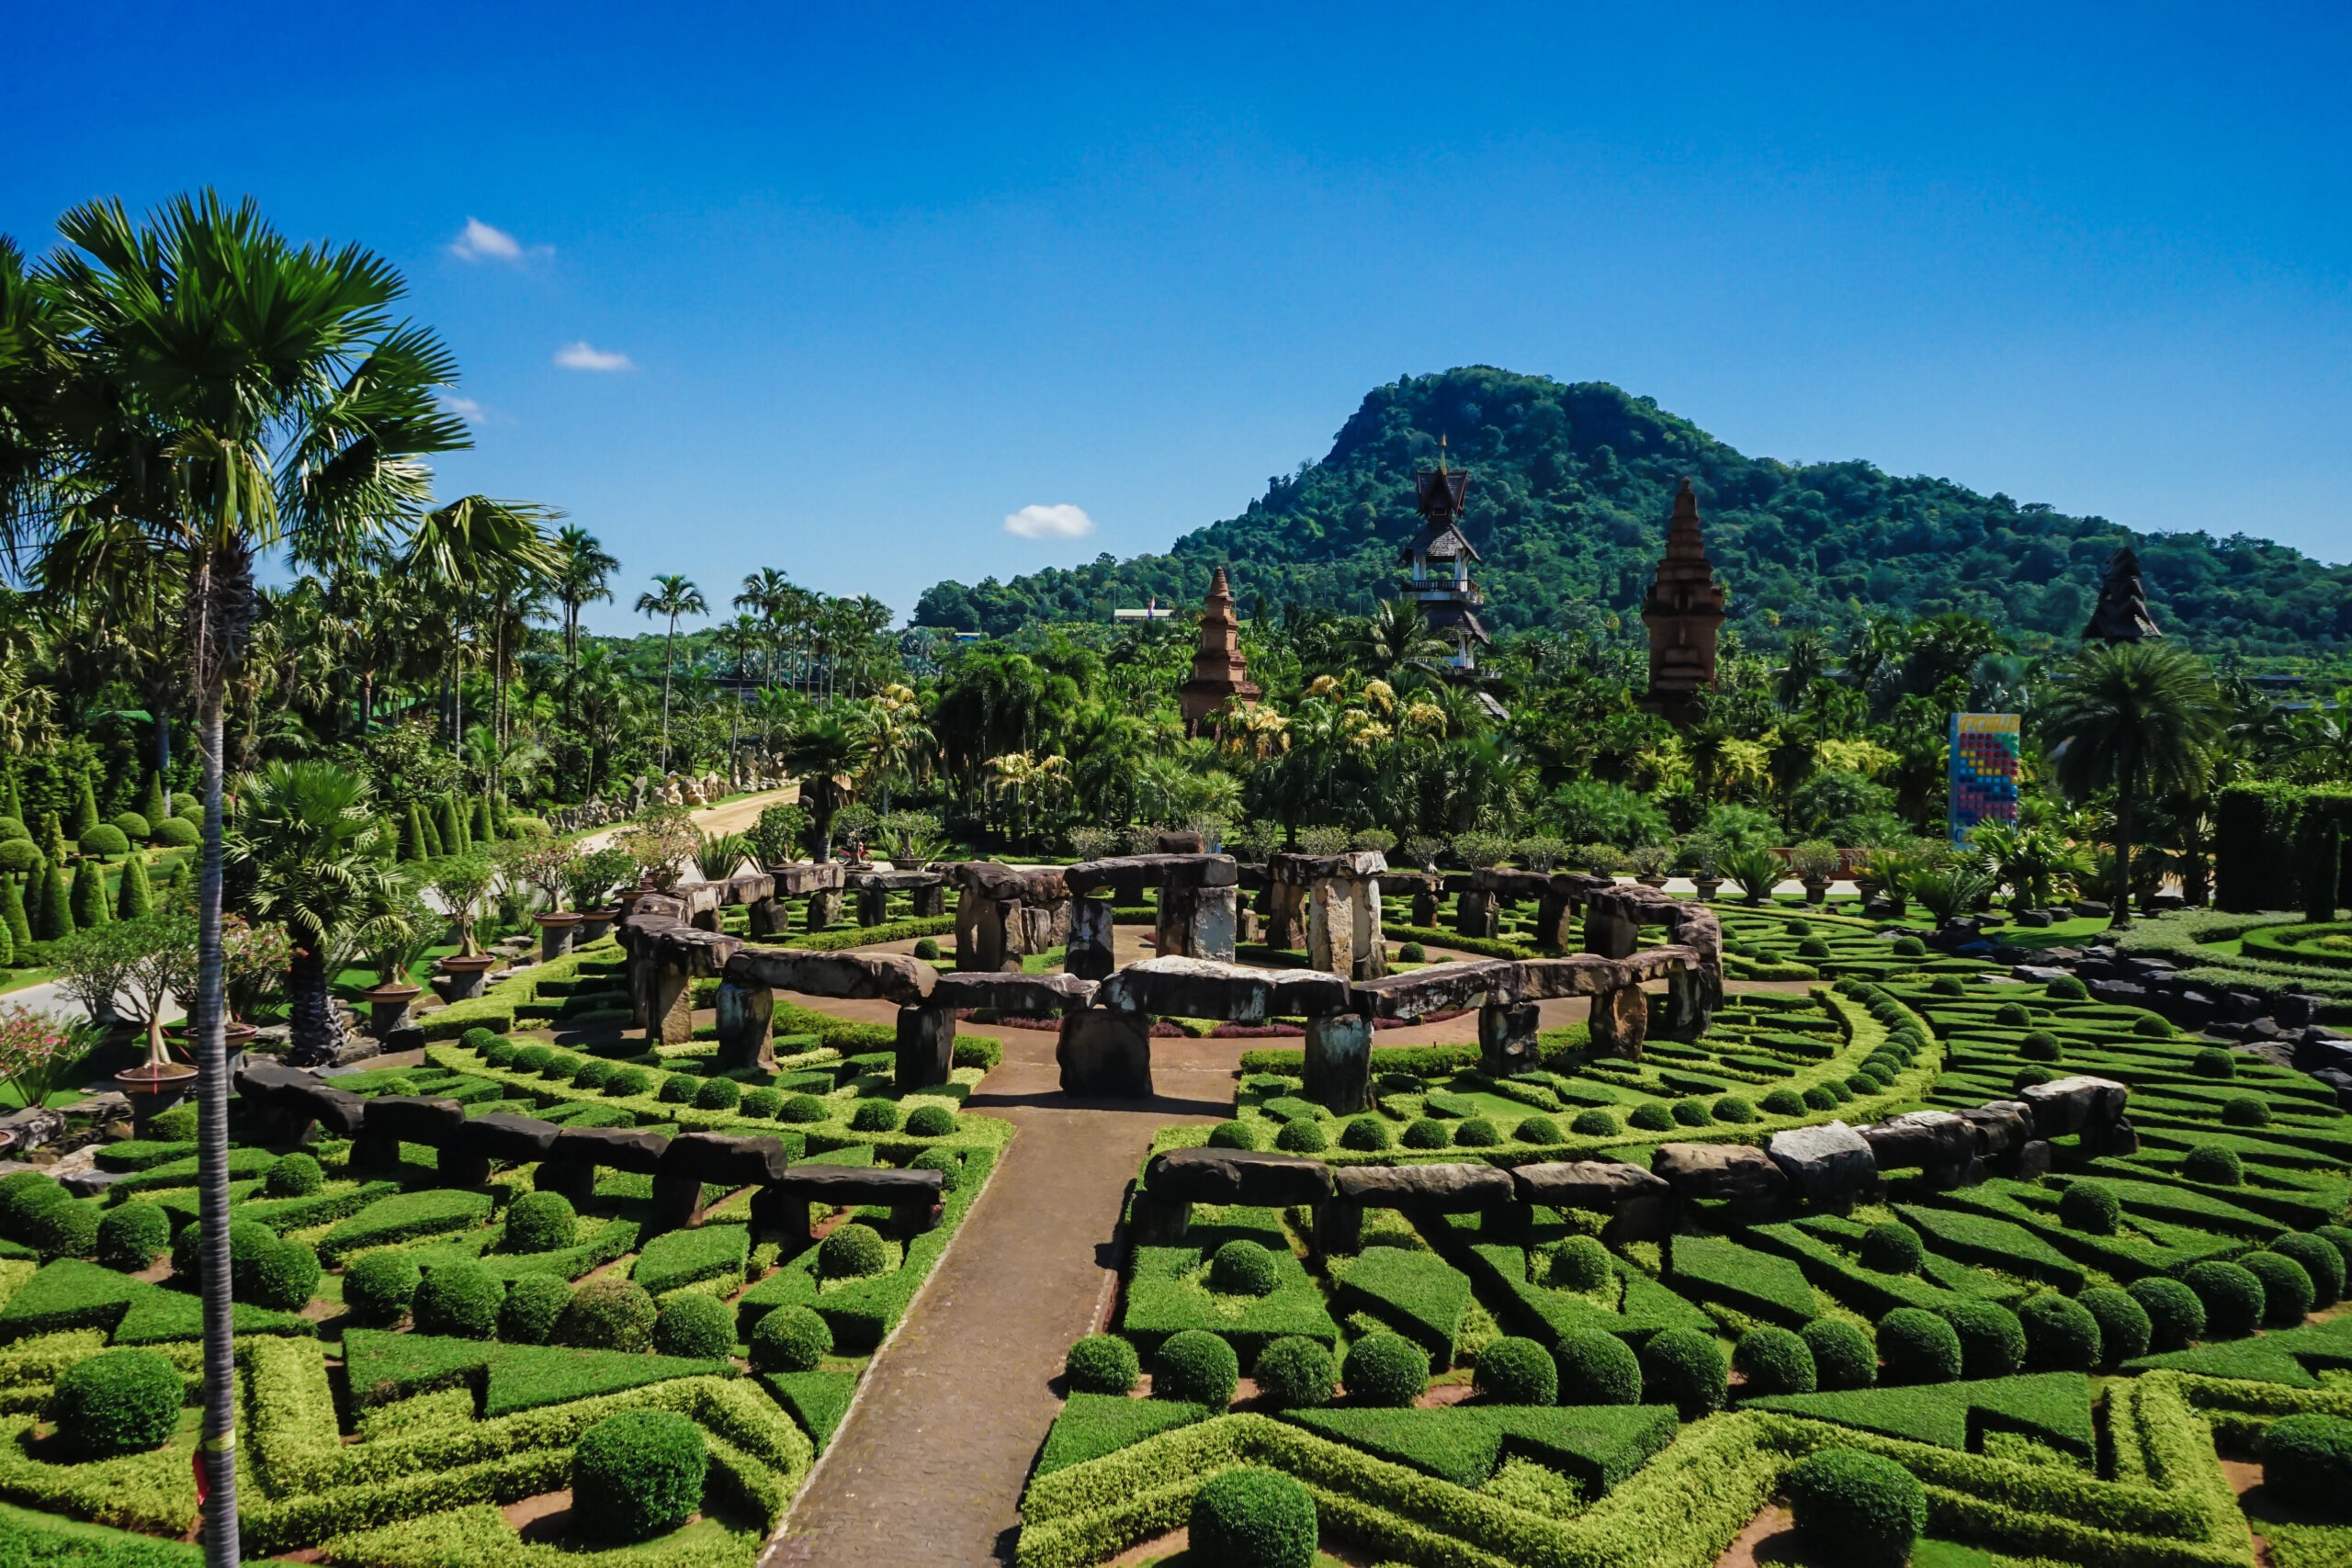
(460,1298)
(1477,1133)
(1773,1361)
(608,1313)
(1893,1248)
(560,1065)
(1243,1268)
(678,1089)
(1412,952)
(1303,1136)
(1513,1370)
(2340,1238)
(280,1276)
(637,1473)
(2287,1292)
(66,1230)
(1812,947)
(1294,1372)
(1856,1509)
(2060,1335)
(1385,1368)
(1732,1109)
(1685,1368)
(802,1108)
(948,1162)
(2212,1062)
(1253,1519)
(2090,1207)
(851,1251)
(2319,1260)
(1579,1263)
(1843,1355)
(2233,1298)
(627,1082)
(1651,1116)
(1197,1366)
(2244,1110)
(594,1073)
(131,1235)
(1597,1368)
(692,1324)
(2025,1078)
(541,1222)
(873,1116)
(379,1286)
(534,1305)
(1820,1097)
(792,1340)
(1917,1347)
(2039,1045)
(1785,1102)
(1235,1135)
(2307,1461)
(1102,1363)
(2152,1028)
(2176,1312)
(116,1402)
(1948,986)
(2012,1015)
(1908,947)
(1364,1133)
(2067,989)
(718,1094)
(1692,1113)
(294,1176)
(1992,1340)
(105,841)
(1593,1123)
(2213,1165)
(930,1121)
(2124,1324)
(1426,1133)
(927,949)
(1541,1130)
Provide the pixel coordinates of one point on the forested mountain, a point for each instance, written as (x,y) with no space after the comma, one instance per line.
(1571,489)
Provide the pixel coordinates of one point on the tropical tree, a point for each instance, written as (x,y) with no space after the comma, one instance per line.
(2138,718)
(191,392)
(827,754)
(582,578)
(672,596)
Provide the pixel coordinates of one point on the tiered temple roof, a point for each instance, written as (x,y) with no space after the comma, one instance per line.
(1219,672)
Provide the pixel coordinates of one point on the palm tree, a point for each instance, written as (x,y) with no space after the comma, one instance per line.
(676,597)
(827,754)
(2141,719)
(199,391)
(767,595)
(500,551)
(1396,644)
(579,581)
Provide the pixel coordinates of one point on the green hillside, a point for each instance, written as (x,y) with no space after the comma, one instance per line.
(1568,505)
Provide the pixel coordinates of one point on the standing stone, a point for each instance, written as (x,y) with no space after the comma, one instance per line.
(1196,922)
(1105,1053)
(672,1021)
(745,1036)
(1338,1063)
(980,932)
(1474,913)
(824,908)
(1620,1022)
(1286,913)
(873,905)
(926,1047)
(770,917)
(929,899)
(1609,935)
(1425,898)
(1554,913)
(1507,1037)
(1087,954)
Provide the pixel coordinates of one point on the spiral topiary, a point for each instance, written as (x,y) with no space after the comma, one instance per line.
(116,1402)
(1303,1136)
(2307,1462)
(1685,1368)
(1294,1372)
(637,1473)
(2090,1207)
(930,1121)
(790,1339)
(1366,1134)
(1893,1248)
(692,1324)
(608,1313)
(1253,1518)
(1579,1263)
(1197,1366)
(1917,1347)
(2233,1298)
(294,1176)
(2213,1165)
(2176,1312)
(1856,1509)
(534,1305)
(1384,1368)
(131,1235)
(1597,1368)
(541,1222)
(2287,1292)
(1102,1363)
(2319,1260)
(2061,1333)
(873,1116)
(1843,1355)
(1513,1370)
(459,1298)
(1774,1361)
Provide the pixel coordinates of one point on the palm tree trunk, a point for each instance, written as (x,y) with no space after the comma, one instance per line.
(315,1037)
(668,659)
(2123,814)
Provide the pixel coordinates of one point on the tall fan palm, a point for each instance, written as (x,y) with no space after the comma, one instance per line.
(2141,719)
(582,580)
(675,597)
(210,392)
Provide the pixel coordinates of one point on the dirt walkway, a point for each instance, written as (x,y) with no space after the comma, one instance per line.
(927,1471)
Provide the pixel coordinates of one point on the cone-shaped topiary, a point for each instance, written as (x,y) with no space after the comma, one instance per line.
(89,896)
(52,913)
(154,804)
(86,810)
(12,910)
(136,898)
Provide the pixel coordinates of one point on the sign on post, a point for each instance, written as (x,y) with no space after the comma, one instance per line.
(1984,772)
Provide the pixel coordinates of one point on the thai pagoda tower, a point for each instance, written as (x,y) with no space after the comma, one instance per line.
(1683,610)
(1441,559)
(2122,612)
(1219,672)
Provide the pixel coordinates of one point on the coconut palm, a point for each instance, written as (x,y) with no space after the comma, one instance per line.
(2139,719)
(675,597)
(199,391)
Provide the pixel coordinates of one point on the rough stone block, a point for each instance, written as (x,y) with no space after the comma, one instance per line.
(1198,988)
(1507,1042)
(1105,1053)
(1088,955)
(1237,1176)
(746,1033)
(501,1135)
(1620,1022)
(1920,1138)
(1436,1189)
(1597,1186)
(2072,1104)
(1338,1063)
(723,1160)
(1440,987)
(860,976)
(618,1148)
(1733,1172)
(925,1046)
(1825,1164)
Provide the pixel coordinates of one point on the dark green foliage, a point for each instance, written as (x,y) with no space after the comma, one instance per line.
(379,1287)
(1104,1363)
(2124,1324)
(52,914)
(66,1230)
(1303,1136)
(1992,1340)
(2067,989)
(1741,1277)
(2089,1207)
(116,1402)
(1917,1347)
(135,898)
(1093,1425)
(692,1324)
(1732,1109)
(2214,1062)
(801,1109)
(683,1257)
(1691,1112)
(534,1305)
(1477,1133)
(1593,1123)
(1856,1508)
(1517,1372)
(1685,1368)
(459,1299)
(944,1161)
(2319,1260)
(790,1339)
(1908,947)
(405,1217)
(927,949)
(89,896)
(1197,1366)
(1785,1102)
(718,1094)
(2012,1015)
(2176,1312)
(540,1221)
(1597,1446)
(930,1121)
(1364,1133)
(281,1275)
(608,1313)
(1233,1136)
(12,912)
(105,841)
(2061,1333)
(1253,1519)
(2244,1110)
(637,1473)
(594,1072)
(872,1116)
(2152,1028)
(294,1176)
(1578,1263)
(1819,1098)
(2213,1165)
(1242,1268)
(2287,1292)
(1651,1116)
(2233,1298)
(1426,1133)
(2307,1462)
(1383,1369)
(130,1235)
(2039,1045)
(851,1250)
(1774,1361)
(1893,1248)
(534,1058)
(625,1082)
(1294,1372)
(1597,1368)
(678,1089)
(1843,1357)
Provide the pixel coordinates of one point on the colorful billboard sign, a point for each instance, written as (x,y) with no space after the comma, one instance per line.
(1984,772)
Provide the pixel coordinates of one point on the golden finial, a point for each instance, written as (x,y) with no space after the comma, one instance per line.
(1440,451)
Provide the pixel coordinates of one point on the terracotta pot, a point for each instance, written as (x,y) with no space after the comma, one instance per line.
(557,929)
(464,977)
(154,1089)
(389,1008)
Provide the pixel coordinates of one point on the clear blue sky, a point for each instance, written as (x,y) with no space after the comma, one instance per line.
(878,278)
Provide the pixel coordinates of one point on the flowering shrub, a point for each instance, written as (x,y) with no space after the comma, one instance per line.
(35,1049)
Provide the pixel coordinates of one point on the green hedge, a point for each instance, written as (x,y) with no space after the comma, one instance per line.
(403,1217)
(1600,1445)
(903,929)
(2264,833)
(1418,1293)
(685,1257)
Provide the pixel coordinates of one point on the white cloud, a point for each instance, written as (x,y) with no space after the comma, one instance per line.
(466,409)
(1063,521)
(585,355)
(480,242)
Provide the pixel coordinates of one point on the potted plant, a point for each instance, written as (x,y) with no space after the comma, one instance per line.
(164,967)
(394,941)
(255,961)
(589,881)
(463,883)
(1649,862)
(659,844)
(546,865)
(1702,853)
(1816,861)
(1757,870)
(36,1049)
(1888,875)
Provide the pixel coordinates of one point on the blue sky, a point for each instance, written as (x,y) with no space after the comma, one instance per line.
(869,280)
